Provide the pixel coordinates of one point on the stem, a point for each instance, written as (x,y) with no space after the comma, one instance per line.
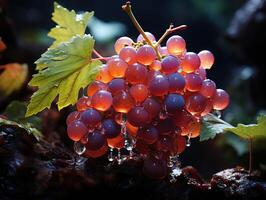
(250,154)
(128,10)
(97,54)
(168,31)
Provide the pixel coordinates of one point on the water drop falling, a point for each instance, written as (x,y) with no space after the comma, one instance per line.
(79,148)
(119,158)
(111,155)
(188,141)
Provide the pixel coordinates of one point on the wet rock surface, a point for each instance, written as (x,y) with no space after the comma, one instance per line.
(49,170)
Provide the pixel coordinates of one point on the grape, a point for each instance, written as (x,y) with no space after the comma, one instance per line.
(72,117)
(164,143)
(139,92)
(206,59)
(159,85)
(148,134)
(196,103)
(95,140)
(117,67)
(174,103)
(170,64)
(102,100)
(117,85)
(76,130)
(192,129)
(142,147)
(149,35)
(132,130)
(176,45)
(152,106)
(151,75)
(182,118)
(110,128)
(163,51)
(193,82)
(117,142)
(166,126)
(96,153)
(208,88)
(146,55)
(95,86)
(91,118)
(104,75)
(155,168)
(123,102)
(121,43)
(176,82)
(128,54)
(138,116)
(83,103)
(202,73)
(179,144)
(156,65)
(191,62)
(220,99)
(208,108)
(136,73)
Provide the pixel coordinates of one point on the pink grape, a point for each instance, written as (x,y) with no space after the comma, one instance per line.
(102,100)
(196,103)
(176,45)
(72,117)
(139,92)
(83,103)
(128,54)
(220,99)
(76,130)
(121,43)
(123,102)
(208,88)
(156,65)
(149,35)
(206,58)
(104,75)
(193,82)
(117,67)
(170,64)
(191,62)
(146,55)
(95,86)
(163,51)
(136,73)
(202,73)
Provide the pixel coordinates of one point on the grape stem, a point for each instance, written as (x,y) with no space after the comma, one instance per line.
(127,8)
(99,56)
(168,31)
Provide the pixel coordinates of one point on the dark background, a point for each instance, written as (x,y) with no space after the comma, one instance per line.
(234,30)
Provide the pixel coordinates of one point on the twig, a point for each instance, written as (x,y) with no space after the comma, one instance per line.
(97,54)
(250,154)
(168,31)
(128,10)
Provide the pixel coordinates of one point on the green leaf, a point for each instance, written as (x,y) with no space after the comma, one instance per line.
(30,130)
(15,112)
(65,70)
(251,130)
(212,126)
(69,24)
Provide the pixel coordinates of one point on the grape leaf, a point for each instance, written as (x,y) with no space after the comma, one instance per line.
(251,130)
(30,130)
(65,70)
(69,24)
(16,110)
(212,126)
(12,78)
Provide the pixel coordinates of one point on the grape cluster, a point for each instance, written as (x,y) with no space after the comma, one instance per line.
(149,107)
